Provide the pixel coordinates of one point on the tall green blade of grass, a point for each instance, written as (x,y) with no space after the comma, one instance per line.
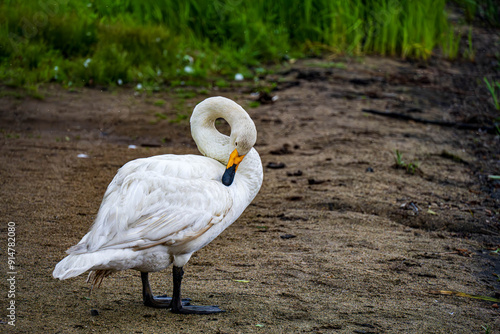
(492,87)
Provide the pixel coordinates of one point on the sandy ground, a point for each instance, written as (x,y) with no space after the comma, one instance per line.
(338,239)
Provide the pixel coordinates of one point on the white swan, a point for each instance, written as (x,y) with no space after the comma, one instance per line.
(158,211)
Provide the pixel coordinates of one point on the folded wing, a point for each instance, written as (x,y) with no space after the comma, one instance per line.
(161,200)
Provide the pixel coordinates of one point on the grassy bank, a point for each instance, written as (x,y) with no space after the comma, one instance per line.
(153,42)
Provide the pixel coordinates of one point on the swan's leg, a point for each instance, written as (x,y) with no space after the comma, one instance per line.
(156,301)
(178,307)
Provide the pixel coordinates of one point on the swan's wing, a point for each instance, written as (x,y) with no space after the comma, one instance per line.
(160,200)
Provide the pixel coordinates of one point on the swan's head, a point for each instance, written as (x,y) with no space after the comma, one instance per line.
(213,144)
(243,137)
(241,143)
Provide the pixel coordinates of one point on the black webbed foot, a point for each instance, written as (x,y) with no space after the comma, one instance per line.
(157,301)
(197,310)
(178,307)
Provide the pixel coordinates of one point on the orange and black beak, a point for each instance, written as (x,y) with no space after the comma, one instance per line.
(232,166)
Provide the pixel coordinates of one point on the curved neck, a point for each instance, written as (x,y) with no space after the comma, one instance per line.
(209,140)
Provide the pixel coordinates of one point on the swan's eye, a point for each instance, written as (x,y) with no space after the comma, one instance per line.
(236,144)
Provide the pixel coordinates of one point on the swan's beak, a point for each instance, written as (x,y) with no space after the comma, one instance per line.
(232,166)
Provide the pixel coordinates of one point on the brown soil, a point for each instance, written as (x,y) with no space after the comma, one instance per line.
(338,240)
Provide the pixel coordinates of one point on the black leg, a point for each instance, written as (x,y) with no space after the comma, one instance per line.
(177,306)
(155,301)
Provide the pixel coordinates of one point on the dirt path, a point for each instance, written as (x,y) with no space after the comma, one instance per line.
(338,240)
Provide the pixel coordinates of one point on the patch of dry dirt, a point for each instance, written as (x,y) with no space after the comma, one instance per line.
(338,240)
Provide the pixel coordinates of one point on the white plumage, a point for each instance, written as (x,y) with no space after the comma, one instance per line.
(158,211)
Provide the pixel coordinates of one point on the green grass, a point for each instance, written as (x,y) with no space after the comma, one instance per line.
(157,42)
(487,329)
(469,52)
(482,11)
(160,116)
(159,103)
(494,89)
(254,104)
(410,167)
(330,64)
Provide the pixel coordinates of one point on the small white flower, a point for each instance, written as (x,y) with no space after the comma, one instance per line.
(238,77)
(188,69)
(82,155)
(139,86)
(120,81)
(188,58)
(158,72)
(87,62)
(56,68)
(132,147)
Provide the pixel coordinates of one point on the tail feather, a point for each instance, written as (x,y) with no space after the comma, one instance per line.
(97,276)
(74,265)
(103,262)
